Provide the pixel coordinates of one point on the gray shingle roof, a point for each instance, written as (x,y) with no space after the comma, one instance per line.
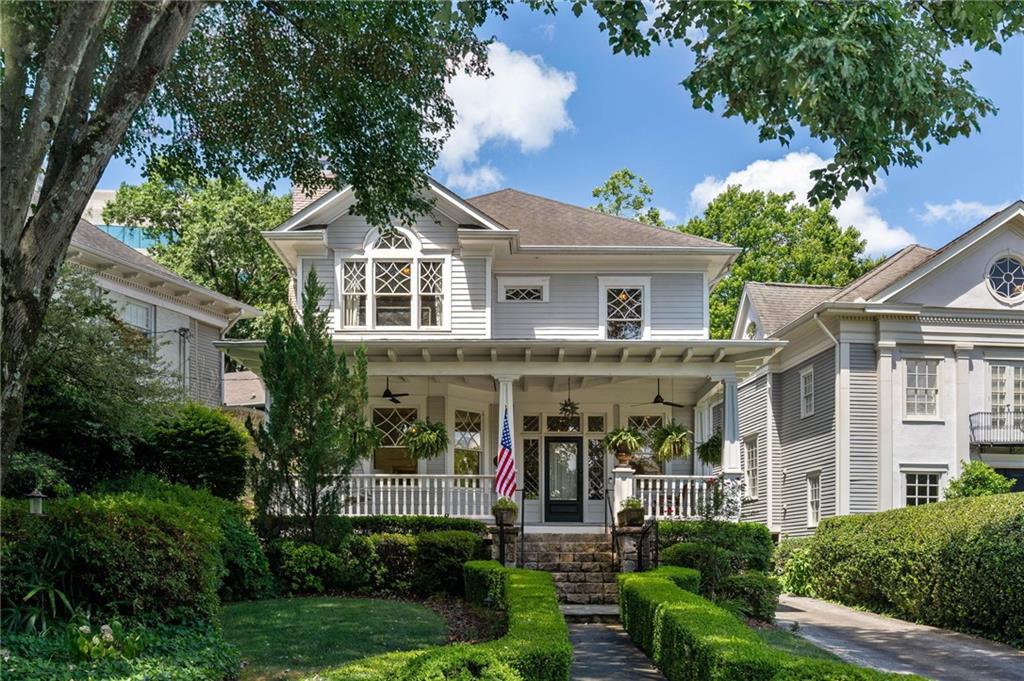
(546,222)
(779,304)
(91,237)
(888,272)
(243,389)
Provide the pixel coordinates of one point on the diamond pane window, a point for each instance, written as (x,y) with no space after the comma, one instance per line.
(922,387)
(393,289)
(392,422)
(595,469)
(431,292)
(625,313)
(524,294)
(595,424)
(353,288)
(392,239)
(563,424)
(531,423)
(468,431)
(645,424)
(531,468)
(1006,277)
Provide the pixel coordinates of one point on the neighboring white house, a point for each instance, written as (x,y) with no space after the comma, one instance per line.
(886,385)
(182,318)
(518,302)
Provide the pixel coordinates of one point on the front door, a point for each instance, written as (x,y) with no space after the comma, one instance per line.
(563,482)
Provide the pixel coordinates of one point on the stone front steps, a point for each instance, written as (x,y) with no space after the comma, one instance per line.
(582,565)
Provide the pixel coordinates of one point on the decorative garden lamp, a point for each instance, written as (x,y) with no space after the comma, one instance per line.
(35,502)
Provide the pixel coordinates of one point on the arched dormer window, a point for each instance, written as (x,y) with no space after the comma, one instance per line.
(393,284)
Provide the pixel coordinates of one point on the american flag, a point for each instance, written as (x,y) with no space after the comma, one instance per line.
(505,477)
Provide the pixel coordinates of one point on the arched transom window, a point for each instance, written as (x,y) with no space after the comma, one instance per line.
(393,284)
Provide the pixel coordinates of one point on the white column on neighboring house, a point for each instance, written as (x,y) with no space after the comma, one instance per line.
(886,472)
(506,384)
(962,418)
(730,428)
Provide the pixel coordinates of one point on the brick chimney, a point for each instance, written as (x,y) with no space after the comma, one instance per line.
(300,199)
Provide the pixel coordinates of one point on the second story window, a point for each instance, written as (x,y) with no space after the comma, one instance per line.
(807,392)
(392,284)
(922,388)
(625,308)
(140,316)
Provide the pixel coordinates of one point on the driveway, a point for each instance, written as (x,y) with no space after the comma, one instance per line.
(872,640)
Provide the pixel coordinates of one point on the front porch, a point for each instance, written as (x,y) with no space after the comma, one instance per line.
(564,474)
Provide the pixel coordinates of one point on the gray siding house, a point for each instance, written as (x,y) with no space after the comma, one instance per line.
(502,307)
(886,386)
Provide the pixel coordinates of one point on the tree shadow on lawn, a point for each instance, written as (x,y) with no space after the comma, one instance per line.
(288,638)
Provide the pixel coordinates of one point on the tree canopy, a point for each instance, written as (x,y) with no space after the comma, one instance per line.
(782,240)
(627,195)
(208,231)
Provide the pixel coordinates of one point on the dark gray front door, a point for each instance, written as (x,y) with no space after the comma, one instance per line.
(563,479)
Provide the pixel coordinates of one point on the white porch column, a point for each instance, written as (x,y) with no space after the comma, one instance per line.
(622,486)
(505,405)
(962,418)
(730,428)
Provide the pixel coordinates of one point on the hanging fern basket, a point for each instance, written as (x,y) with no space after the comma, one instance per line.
(425,440)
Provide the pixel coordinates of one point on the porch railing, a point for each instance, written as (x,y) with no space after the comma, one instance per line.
(1001,427)
(464,496)
(673,496)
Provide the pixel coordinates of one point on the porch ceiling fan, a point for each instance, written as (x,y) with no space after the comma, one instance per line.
(388,395)
(658,399)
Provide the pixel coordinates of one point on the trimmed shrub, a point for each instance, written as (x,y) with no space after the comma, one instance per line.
(179,653)
(396,554)
(978,479)
(124,555)
(792,566)
(414,524)
(360,568)
(756,593)
(484,582)
(440,557)
(201,447)
(462,662)
(691,639)
(304,568)
(750,543)
(957,564)
(712,562)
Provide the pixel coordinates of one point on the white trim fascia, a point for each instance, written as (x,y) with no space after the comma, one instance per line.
(313,209)
(145,294)
(490,298)
(457,201)
(637,250)
(741,313)
(604,282)
(989,225)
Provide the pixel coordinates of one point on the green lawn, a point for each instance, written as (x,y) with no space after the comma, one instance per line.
(290,638)
(783,639)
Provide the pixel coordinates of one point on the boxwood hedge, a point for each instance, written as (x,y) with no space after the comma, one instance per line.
(414,524)
(957,564)
(750,543)
(691,639)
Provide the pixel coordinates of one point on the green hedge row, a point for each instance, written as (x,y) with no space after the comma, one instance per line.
(414,524)
(175,654)
(535,648)
(691,639)
(958,564)
(750,543)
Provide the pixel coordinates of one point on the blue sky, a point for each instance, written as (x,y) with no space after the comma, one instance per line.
(562,113)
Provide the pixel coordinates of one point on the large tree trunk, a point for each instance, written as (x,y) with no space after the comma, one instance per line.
(77,148)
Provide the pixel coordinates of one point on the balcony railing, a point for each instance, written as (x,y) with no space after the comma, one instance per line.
(465,496)
(674,496)
(1002,427)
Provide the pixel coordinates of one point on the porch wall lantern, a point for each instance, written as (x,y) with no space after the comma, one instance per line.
(35,502)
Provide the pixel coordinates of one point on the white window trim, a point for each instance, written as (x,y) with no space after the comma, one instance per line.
(921,418)
(812,475)
(1009,302)
(752,491)
(804,411)
(524,282)
(940,469)
(487,448)
(415,255)
(150,329)
(604,283)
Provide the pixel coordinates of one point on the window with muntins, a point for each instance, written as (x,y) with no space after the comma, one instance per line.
(807,392)
(390,455)
(922,388)
(813,499)
(625,313)
(922,488)
(526,294)
(353,291)
(139,316)
(1006,278)
(531,468)
(468,442)
(750,477)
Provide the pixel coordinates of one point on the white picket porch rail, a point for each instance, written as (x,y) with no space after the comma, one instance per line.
(673,496)
(464,496)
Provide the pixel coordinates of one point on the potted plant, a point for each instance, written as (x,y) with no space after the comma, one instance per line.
(425,440)
(505,510)
(625,441)
(671,441)
(632,512)
(710,451)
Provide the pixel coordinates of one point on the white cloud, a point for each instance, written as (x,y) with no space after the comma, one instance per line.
(791,173)
(667,215)
(958,211)
(523,103)
(548,31)
(480,179)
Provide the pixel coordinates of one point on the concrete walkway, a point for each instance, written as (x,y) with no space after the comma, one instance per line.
(872,640)
(604,652)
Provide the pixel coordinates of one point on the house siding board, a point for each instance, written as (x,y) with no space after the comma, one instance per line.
(753,421)
(469,297)
(863,429)
(324,268)
(677,306)
(348,232)
(205,383)
(777,458)
(808,444)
